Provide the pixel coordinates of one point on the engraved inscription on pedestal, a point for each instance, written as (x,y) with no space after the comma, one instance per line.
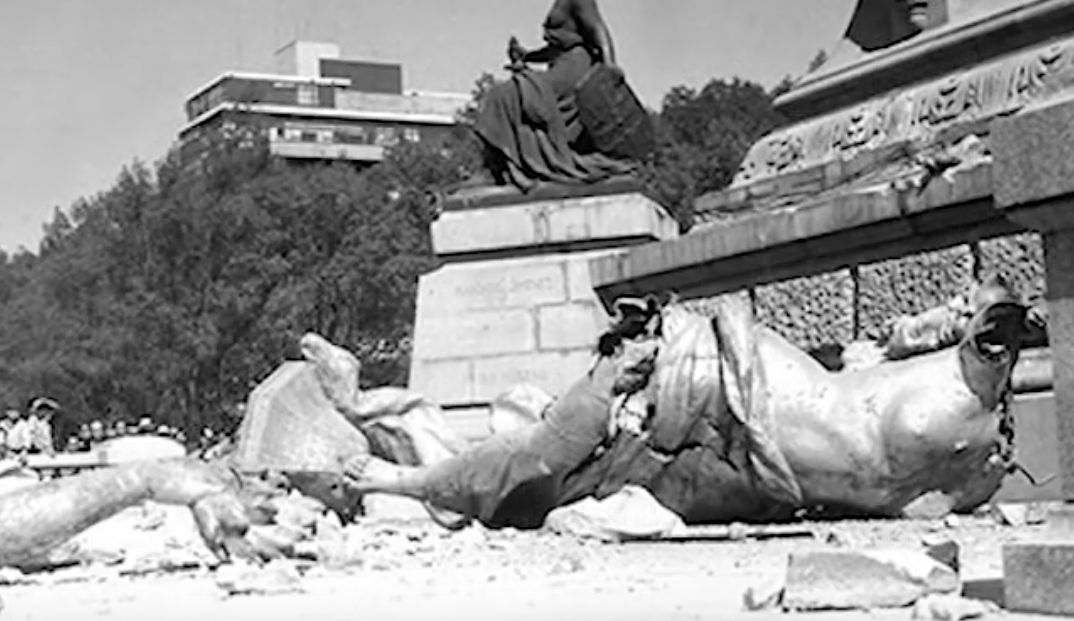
(511,284)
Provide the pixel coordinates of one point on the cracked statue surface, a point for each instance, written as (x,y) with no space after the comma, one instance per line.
(719,418)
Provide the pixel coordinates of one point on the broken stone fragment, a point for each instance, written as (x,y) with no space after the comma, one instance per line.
(276,540)
(767,595)
(846,580)
(296,511)
(275,578)
(1011,514)
(630,514)
(930,506)
(567,564)
(329,526)
(11,576)
(943,550)
(951,608)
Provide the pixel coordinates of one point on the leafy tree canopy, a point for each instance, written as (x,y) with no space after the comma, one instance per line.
(176,290)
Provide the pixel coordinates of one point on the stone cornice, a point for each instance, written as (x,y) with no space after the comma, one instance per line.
(980,31)
(863,226)
(915,115)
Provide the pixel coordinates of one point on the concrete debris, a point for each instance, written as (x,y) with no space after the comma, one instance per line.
(161,564)
(474,535)
(276,540)
(952,608)
(296,511)
(630,514)
(567,564)
(275,578)
(943,550)
(846,580)
(737,531)
(9,576)
(1011,514)
(1037,513)
(328,527)
(767,595)
(1019,514)
(841,540)
(930,506)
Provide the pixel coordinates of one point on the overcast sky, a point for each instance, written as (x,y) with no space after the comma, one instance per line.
(91,85)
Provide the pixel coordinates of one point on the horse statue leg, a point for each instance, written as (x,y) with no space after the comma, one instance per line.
(35,520)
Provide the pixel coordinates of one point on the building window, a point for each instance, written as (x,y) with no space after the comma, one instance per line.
(352,135)
(387,137)
(215,97)
(411,134)
(307,95)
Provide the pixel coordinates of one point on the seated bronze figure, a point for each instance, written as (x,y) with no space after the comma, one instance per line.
(576,122)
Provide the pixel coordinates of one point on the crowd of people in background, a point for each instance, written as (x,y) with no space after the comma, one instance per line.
(94,433)
(30,433)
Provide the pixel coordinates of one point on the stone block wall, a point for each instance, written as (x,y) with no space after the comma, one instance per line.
(811,312)
(486,326)
(513,302)
(1020,258)
(910,285)
(839,307)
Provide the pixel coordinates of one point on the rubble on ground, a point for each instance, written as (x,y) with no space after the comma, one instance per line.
(275,578)
(865,579)
(1019,514)
(630,514)
(838,567)
(951,608)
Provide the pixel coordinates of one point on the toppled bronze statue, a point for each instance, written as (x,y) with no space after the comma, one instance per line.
(575,123)
(740,425)
(719,418)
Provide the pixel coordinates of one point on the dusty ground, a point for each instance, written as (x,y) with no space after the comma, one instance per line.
(414,570)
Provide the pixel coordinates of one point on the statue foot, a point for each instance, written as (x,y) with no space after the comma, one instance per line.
(369,474)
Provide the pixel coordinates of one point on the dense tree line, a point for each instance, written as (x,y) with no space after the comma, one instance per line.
(177,289)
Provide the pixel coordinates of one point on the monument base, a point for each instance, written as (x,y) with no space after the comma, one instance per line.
(1038,576)
(514,303)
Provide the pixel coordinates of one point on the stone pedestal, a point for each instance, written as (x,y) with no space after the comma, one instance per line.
(513,302)
(1038,576)
(1034,184)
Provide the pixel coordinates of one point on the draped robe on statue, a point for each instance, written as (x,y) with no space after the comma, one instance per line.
(530,122)
(707,452)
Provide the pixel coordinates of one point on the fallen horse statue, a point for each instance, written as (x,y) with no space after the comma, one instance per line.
(719,418)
